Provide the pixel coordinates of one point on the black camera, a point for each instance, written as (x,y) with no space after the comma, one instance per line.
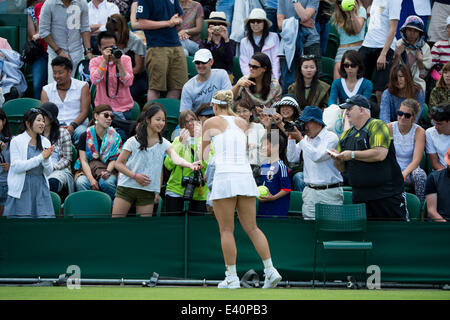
(190,183)
(116,52)
(300,125)
(4,139)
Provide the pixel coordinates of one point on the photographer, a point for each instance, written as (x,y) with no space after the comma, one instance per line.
(185,184)
(112,73)
(323,180)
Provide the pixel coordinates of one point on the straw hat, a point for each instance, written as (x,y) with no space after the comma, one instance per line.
(258,14)
(217,16)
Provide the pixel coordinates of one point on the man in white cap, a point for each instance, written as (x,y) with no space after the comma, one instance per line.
(205,84)
(440,53)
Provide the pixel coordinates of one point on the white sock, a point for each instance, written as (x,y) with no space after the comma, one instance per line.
(268,263)
(232,270)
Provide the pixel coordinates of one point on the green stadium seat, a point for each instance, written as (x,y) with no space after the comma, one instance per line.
(332,47)
(204,34)
(348,197)
(172,108)
(88,204)
(18,107)
(56,200)
(342,221)
(327,70)
(237,73)
(295,203)
(413,206)
(18,21)
(11,33)
(192,71)
(135,111)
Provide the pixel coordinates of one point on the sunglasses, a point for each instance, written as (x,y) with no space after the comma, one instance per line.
(350,65)
(309,56)
(214,24)
(200,62)
(406,114)
(107,116)
(255,21)
(252,66)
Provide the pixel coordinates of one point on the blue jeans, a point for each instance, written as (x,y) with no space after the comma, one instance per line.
(323,29)
(299,181)
(39,69)
(272,16)
(288,75)
(226,6)
(108,186)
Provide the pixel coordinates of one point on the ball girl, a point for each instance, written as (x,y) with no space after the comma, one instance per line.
(140,165)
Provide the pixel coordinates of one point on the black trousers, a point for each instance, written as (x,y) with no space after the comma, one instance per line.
(175,205)
(387,209)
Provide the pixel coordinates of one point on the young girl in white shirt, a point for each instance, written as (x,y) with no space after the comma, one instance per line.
(140,165)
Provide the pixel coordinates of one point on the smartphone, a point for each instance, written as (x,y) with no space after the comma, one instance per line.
(334,154)
(269,111)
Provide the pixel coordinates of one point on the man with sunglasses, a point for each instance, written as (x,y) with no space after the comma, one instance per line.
(99,11)
(367,155)
(205,84)
(438,136)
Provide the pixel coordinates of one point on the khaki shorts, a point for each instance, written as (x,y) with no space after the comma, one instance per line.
(138,196)
(166,68)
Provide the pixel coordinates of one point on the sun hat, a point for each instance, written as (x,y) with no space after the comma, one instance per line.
(258,14)
(413,22)
(312,113)
(219,17)
(50,110)
(287,100)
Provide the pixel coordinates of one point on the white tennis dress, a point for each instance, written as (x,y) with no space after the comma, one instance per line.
(233,175)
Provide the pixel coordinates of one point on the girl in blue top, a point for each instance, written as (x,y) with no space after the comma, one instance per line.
(351,81)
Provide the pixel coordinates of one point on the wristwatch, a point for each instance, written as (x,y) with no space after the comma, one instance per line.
(87,50)
(353,155)
(294,1)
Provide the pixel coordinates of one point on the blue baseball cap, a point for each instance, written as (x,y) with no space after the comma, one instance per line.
(312,113)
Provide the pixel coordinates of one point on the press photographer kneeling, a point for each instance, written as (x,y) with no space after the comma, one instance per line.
(184,184)
(323,180)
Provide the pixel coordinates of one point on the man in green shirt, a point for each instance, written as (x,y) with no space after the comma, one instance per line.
(367,154)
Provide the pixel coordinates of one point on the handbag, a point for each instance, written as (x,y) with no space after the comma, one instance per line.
(97,167)
(32,50)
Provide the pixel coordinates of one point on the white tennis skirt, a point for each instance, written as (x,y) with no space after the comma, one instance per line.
(229,185)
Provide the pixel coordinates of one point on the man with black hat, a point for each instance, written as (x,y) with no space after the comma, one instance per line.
(367,154)
(323,180)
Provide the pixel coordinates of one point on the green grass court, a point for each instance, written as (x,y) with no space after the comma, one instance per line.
(211,293)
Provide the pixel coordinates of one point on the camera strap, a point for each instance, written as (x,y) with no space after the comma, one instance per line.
(107,81)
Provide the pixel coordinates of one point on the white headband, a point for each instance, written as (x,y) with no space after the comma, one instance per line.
(218,101)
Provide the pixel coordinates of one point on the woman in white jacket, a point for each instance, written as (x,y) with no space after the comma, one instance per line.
(28,190)
(259,39)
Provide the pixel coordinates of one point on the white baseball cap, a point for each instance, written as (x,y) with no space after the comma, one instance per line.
(203,55)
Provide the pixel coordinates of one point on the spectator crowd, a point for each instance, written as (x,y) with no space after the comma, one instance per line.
(376,120)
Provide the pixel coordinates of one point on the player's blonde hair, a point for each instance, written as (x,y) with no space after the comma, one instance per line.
(227,97)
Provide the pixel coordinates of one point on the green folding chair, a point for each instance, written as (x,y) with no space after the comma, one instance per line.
(295,203)
(413,206)
(56,201)
(88,204)
(337,227)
